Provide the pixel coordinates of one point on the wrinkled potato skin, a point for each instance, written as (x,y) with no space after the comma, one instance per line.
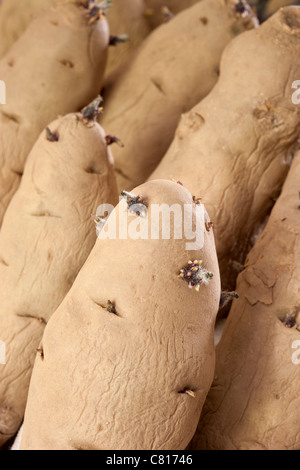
(177,66)
(254,403)
(119,376)
(46,237)
(234,148)
(58,43)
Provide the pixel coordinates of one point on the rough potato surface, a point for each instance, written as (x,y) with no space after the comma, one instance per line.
(254,402)
(177,66)
(123,376)
(234,148)
(56,67)
(47,234)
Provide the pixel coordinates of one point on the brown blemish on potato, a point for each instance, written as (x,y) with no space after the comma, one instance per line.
(40,352)
(67,63)
(204,20)
(17,173)
(33,317)
(11,63)
(2,261)
(45,214)
(158,85)
(92,171)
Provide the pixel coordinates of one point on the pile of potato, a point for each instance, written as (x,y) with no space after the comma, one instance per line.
(110,342)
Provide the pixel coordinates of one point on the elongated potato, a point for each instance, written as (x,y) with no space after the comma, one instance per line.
(177,65)
(131,347)
(124,17)
(254,403)
(55,68)
(46,236)
(234,147)
(155,9)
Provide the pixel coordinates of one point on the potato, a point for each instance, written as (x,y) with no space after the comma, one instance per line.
(254,403)
(131,347)
(55,68)
(155,9)
(234,147)
(177,65)
(46,236)
(124,18)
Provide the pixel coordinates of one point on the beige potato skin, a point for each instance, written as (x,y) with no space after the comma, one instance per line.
(154,9)
(254,402)
(177,65)
(46,237)
(233,149)
(124,17)
(115,378)
(55,68)
(16,15)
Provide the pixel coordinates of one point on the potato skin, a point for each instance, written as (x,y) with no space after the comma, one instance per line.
(58,43)
(254,402)
(143,106)
(234,147)
(119,376)
(124,17)
(15,16)
(46,236)
(154,7)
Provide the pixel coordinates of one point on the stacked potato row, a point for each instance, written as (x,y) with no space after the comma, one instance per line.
(109,341)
